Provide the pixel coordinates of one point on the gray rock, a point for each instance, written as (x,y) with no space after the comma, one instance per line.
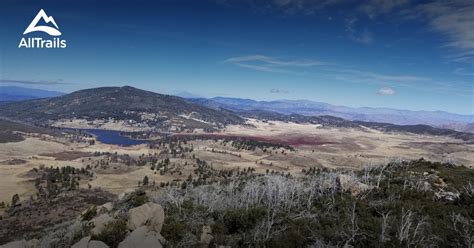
(142,237)
(99,223)
(97,244)
(206,237)
(105,208)
(15,244)
(150,214)
(22,244)
(82,243)
(86,242)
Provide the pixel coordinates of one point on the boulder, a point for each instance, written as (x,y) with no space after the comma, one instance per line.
(150,214)
(122,195)
(142,237)
(86,242)
(348,184)
(345,182)
(99,223)
(82,243)
(32,243)
(105,208)
(206,237)
(15,244)
(97,244)
(22,244)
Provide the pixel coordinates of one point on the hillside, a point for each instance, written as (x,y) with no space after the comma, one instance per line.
(11,131)
(331,121)
(311,108)
(401,204)
(120,104)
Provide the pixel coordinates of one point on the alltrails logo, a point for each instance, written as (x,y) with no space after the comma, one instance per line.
(39,42)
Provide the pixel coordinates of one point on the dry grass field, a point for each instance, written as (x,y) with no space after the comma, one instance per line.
(315,146)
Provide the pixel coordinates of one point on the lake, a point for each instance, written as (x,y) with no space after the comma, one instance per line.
(113,137)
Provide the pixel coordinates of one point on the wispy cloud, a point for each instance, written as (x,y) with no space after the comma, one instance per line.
(290,7)
(386,91)
(374,8)
(386,77)
(32,82)
(407,81)
(274,61)
(363,35)
(337,72)
(463,72)
(279,91)
(270,64)
(455,19)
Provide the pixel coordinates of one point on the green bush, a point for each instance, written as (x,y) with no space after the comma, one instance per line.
(114,232)
(173,231)
(89,214)
(134,199)
(242,220)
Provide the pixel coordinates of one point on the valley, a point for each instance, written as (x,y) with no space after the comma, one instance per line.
(57,149)
(303,146)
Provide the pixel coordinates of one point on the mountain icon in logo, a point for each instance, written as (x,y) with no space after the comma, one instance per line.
(47,19)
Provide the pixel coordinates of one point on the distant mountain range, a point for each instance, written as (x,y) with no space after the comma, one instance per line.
(382,115)
(13,93)
(153,109)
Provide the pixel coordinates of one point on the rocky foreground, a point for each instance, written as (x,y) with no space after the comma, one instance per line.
(123,225)
(400,204)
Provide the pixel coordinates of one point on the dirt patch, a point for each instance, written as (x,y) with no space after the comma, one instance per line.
(8,136)
(117,168)
(14,162)
(293,140)
(68,155)
(32,217)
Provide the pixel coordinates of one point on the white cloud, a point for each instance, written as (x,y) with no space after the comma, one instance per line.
(273,61)
(386,91)
(279,91)
(385,77)
(455,19)
(463,72)
(269,64)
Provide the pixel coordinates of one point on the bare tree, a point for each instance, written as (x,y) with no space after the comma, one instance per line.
(384,225)
(412,229)
(354,230)
(464,228)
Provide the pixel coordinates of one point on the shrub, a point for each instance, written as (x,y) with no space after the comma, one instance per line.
(89,214)
(114,232)
(242,220)
(134,199)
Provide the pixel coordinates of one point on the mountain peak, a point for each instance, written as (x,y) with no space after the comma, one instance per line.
(124,103)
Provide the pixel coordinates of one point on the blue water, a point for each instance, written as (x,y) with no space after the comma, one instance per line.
(113,137)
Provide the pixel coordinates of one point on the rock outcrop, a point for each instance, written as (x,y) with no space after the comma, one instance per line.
(86,242)
(142,237)
(150,214)
(22,244)
(143,226)
(348,184)
(99,223)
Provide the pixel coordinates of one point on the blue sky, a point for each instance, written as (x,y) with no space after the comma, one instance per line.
(377,53)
